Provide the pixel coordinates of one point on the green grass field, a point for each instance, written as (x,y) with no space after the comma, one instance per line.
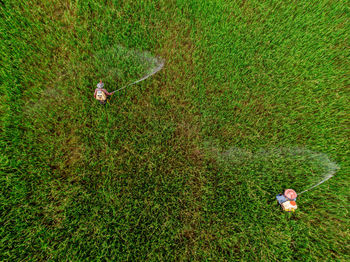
(186,164)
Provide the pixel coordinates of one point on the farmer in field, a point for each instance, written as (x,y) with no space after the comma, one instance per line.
(101,93)
(287,200)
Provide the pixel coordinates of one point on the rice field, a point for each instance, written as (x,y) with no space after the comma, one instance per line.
(185,165)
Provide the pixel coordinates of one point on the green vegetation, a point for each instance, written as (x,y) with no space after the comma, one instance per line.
(147,177)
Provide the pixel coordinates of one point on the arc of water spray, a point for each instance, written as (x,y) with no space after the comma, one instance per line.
(330,168)
(319,183)
(158,68)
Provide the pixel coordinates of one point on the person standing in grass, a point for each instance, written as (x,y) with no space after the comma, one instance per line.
(101,93)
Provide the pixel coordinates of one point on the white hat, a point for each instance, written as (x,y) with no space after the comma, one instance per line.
(100,85)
